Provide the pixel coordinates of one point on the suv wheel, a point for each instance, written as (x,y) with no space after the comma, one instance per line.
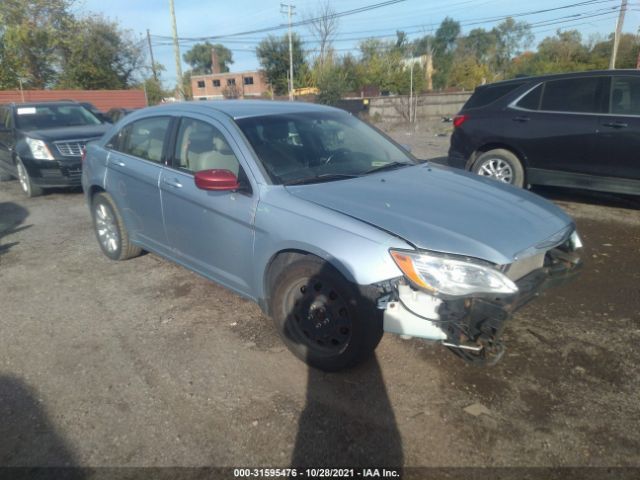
(501,165)
(322,318)
(111,233)
(29,188)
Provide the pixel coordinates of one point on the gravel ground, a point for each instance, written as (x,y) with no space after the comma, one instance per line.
(143,363)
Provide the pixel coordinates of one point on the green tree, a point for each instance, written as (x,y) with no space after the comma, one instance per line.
(627,52)
(199,57)
(444,44)
(467,72)
(154,91)
(100,55)
(512,39)
(273,55)
(31,32)
(480,44)
(186,85)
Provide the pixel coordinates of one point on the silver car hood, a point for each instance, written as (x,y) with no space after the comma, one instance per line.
(443,210)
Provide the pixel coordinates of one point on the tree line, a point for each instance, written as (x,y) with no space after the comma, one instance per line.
(43,44)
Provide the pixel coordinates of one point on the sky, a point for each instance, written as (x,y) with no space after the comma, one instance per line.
(197,18)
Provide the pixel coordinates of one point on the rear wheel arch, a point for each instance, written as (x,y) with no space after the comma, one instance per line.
(496,146)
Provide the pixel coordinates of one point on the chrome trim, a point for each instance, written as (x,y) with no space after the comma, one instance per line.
(513,104)
(72,147)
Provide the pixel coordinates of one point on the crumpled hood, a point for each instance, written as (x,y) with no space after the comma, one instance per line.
(68,133)
(439,209)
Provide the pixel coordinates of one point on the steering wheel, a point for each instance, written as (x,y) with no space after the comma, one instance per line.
(341,152)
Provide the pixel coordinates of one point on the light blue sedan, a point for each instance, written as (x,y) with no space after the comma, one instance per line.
(337,232)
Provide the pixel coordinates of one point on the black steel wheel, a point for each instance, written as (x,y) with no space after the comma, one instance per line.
(322,318)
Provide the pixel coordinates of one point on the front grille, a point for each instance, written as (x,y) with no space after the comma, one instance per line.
(74,172)
(72,148)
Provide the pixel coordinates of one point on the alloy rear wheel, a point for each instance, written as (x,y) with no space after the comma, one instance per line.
(501,165)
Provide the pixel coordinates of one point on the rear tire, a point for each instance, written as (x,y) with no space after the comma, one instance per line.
(29,188)
(323,318)
(111,232)
(501,165)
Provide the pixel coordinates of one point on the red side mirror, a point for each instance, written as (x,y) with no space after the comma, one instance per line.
(220,180)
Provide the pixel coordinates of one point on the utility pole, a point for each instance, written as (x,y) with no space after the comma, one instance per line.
(289,12)
(411,94)
(176,51)
(153,62)
(616,38)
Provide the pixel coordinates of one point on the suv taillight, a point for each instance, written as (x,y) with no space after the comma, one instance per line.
(83,154)
(459,120)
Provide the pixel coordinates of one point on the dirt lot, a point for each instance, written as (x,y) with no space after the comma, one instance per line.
(143,363)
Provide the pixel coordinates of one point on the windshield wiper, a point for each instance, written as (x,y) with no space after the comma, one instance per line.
(388,166)
(325,177)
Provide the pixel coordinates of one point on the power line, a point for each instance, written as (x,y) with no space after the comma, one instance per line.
(293,24)
(541,23)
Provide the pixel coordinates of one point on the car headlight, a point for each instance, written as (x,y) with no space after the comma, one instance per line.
(450,276)
(39,149)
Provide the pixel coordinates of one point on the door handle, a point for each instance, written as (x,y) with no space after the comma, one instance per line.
(120,164)
(175,183)
(616,124)
(520,119)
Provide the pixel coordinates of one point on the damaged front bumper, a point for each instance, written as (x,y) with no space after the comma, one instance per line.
(472,326)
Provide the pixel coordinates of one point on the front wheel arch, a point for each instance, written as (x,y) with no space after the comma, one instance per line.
(280,260)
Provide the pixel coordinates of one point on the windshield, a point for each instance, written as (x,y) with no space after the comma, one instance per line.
(53,116)
(319,146)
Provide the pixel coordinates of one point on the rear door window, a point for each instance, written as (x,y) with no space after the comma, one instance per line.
(579,95)
(486,95)
(143,138)
(625,96)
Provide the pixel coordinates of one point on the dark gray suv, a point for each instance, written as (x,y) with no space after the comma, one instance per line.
(41,143)
(571,130)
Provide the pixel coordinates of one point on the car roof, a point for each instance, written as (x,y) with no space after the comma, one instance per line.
(558,76)
(238,109)
(43,103)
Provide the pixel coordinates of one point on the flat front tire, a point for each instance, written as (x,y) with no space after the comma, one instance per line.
(323,318)
(500,164)
(29,188)
(110,230)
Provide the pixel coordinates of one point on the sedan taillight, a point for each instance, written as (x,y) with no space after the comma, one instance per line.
(459,120)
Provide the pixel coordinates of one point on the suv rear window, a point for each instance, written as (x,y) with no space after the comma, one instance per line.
(486,95)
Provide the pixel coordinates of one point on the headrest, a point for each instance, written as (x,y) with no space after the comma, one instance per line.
(200,142)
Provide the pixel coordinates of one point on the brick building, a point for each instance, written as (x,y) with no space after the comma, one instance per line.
(217,85)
